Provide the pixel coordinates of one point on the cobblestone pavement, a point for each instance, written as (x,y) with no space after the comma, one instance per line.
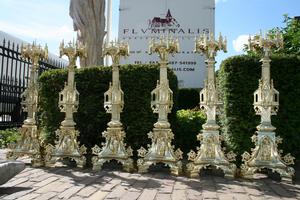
(67,183)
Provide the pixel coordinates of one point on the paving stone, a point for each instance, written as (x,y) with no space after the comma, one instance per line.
(195,198)
(178,195)
(46,181)
(288,198)
(163,197)
(105,178)
(41,177)
(193,194)
(148,194)
(87,191)
(167,187)
(15,182)
(254,191)
(117,192)
(56,186)
(29,196)
(99,195)
(236,187)
(241,196)
(130,195)
(180,186)
(69,192)
(47,196)
(66,183)
(278,189)
(27,172)
(227,197)
(256,197)
(75,198)
(209,194)
(18,194)
(138,185)
(195,184)
(109,186)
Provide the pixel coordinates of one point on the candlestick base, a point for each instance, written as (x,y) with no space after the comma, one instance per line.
(66,147)
(266,155)
(160,151)
(28,144)
(113,149)
(210,154)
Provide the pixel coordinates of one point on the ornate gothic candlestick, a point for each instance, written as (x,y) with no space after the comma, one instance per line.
(210,152)
(266,103)
(161,103)
(114,147)
(67,145)
(29,144)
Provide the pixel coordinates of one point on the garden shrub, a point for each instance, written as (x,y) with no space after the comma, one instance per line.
(188,125)
(8,136)
(238,79)
(188,98)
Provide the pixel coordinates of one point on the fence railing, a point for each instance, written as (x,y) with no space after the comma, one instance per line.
(14,75)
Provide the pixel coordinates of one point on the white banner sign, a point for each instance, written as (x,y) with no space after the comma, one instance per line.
(142,20)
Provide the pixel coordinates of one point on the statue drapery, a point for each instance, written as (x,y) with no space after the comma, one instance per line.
(89,22)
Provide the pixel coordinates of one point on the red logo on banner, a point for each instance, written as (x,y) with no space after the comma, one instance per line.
(169,21)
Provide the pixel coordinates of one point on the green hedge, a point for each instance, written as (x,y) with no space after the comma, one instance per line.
(238,79)
(188,98)
(188,125)
(137,82)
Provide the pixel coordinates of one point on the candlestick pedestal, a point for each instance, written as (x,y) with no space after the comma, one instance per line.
(160,151)
(66,147)
(29,144)
(113,149)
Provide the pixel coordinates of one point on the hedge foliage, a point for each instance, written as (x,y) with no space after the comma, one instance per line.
(188,98)
(137,82)
(188,125)
(238,79)
(8,136)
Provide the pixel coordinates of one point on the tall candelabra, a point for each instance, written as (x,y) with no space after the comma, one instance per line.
(210,152)
(67,146)
(114,147)
(29,143)
(266,103)
(161,102)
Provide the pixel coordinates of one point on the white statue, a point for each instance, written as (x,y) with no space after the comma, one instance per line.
(89,22)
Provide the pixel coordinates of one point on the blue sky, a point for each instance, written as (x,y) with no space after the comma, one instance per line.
(48,21)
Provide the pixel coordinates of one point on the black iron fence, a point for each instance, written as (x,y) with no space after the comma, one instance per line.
(14,75)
